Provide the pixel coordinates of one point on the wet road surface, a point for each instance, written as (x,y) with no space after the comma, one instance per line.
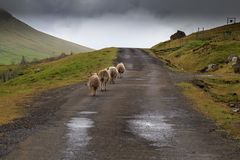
(142,117)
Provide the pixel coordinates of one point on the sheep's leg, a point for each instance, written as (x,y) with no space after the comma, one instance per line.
(101,86)
(94,92)
(105,86)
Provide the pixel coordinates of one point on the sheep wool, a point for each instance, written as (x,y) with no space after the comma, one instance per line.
(104,78)
(94,83)
(113,72)
(121,69)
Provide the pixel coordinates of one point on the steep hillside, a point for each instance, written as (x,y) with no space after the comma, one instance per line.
(18,39)
(200,49)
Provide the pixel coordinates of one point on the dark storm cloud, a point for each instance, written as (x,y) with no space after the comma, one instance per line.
(91,8)
(121,23)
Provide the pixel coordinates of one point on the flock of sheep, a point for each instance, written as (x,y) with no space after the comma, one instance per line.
(100,79)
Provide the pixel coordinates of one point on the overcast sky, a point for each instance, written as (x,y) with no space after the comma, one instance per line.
(121,23)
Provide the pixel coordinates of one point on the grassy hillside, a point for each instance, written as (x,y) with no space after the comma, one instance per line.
(18,39)
(70,70)
(218,96)
(215,102)
(197,50)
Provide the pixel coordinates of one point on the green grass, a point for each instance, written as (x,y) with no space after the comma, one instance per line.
(225,90)
(193,53)
(215,110)
(62,72)
(196,54)
(18,39)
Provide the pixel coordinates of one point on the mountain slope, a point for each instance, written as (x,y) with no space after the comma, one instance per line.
(18,39)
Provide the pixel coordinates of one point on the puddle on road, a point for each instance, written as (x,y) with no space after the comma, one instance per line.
(87,112)
(167,99)
(77,136)
(137,79)
(153,128)
(78,127)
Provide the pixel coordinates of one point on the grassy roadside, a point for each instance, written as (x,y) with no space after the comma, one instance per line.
(40,77)
(215,109)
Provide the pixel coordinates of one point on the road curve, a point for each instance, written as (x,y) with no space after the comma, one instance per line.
(142,117)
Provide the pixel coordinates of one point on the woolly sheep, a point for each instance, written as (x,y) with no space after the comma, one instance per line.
(113,72)
(93,84)
(121,69)
(104,78)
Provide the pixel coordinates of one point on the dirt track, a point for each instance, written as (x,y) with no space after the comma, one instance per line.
(142,117)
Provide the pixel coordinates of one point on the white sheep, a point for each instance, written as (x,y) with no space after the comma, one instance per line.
(113,72)
(104,78)
(121,69)
(93,83)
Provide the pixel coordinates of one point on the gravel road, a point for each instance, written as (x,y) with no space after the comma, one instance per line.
(142,117)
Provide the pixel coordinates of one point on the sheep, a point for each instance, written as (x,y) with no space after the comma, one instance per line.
(113,72)
(93,83)
(121,69)
(104,78)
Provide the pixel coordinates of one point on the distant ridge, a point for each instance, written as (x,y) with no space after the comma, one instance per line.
(19,39)
(4,15)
